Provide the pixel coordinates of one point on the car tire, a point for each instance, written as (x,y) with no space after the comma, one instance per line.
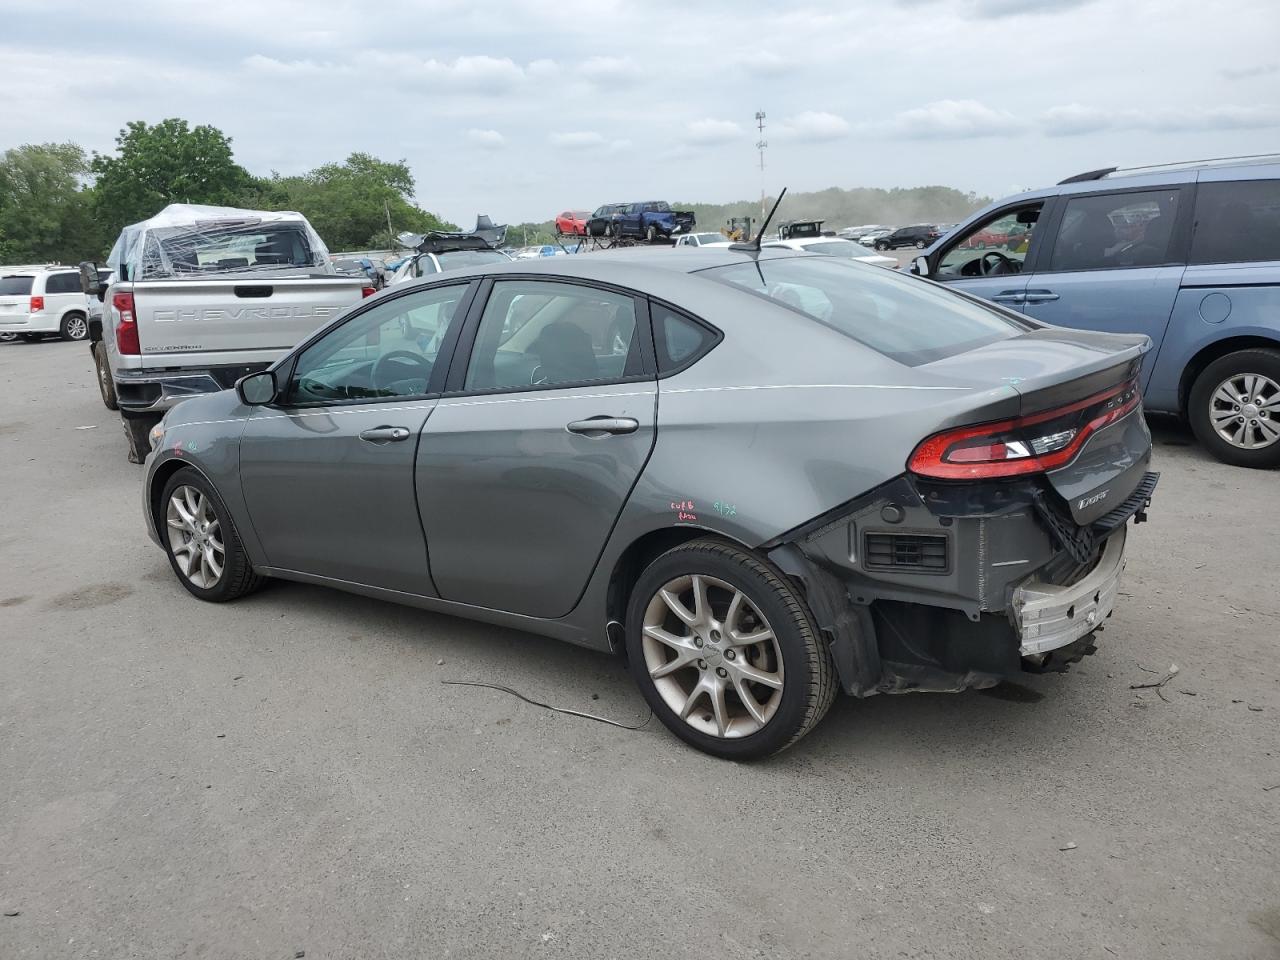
(881,246)
(1213,406)
(106,383)
(137,434)
(920,244)
(74,326)
(798,674)
(608,230)
(200,539)
(651,234)
(8,337)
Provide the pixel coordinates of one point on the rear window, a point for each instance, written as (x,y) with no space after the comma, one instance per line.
(456,259)
(15,286)
(1237,222)
(223,248)
(903,318)
(837,248)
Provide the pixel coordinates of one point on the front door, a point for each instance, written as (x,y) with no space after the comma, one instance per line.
(525,466)
(987,259)
(327,474)
(1116,265)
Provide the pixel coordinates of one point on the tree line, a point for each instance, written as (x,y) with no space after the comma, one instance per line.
(60,204)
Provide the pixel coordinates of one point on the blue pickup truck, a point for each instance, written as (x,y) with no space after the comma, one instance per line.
(1188,254)
(653,220)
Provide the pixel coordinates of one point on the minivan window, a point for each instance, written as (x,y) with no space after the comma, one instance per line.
(1237,222)
(1103,231)
(62,283)
(15,286)
(906,320)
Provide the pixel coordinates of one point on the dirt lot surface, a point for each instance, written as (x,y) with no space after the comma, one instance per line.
(288,774)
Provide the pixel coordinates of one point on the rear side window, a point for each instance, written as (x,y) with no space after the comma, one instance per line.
(1115,230)
(1237,222)
(680,341)
(62,283)
(906,320)
(15,286)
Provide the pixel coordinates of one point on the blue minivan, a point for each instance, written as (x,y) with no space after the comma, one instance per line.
(1188,254)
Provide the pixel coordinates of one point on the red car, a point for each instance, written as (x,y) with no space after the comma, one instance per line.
(573,222)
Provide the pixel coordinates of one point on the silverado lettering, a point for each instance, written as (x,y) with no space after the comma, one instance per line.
(296,312)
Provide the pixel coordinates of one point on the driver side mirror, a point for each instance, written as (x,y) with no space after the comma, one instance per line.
(257,389)
(920,266)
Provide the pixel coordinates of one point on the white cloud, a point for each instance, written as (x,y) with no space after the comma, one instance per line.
(953,119)
(470,74)
(609,70)
(285,68)
(1076,119)
(543,69)
(814,126)
(766,63)
(588,140)
(710,131)
(486,139)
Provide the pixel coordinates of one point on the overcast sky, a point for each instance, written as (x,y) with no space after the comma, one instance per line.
(521,109)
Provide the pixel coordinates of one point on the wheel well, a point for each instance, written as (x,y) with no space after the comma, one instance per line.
(1212,352)
(162,475)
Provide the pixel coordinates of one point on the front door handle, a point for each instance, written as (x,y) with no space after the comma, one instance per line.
(597,427)
(1040,296)
(385,434)
(1008,296)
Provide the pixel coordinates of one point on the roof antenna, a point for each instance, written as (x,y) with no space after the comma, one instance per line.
(754,245)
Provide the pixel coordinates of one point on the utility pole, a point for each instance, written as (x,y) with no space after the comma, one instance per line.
(760,145)
(391,237)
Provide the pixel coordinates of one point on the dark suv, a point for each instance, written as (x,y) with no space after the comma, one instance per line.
(919,236)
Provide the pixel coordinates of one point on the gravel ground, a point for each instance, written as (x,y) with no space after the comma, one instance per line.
(288,774)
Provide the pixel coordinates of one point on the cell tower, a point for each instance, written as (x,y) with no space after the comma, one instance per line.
(760,145)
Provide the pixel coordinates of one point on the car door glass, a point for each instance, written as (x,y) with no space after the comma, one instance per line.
(388,351)
(994,248)
(681,341)
(1115,230)
(1237,222)
(62,283)
(537,333)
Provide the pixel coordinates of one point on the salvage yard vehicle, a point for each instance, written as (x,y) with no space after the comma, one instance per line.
(703,240)
(35,301)
(918,236)
(653,220)
(1186,254)
(199,297)
(438,252)
(572,223)
(763,475)
(835,247)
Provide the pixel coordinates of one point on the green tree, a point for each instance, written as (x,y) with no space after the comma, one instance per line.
(348,203)
(44,209)
(169,162)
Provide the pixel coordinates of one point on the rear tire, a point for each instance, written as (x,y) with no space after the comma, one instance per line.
(74,327)
(1213,408)
(106,383)
(200,538)
(881,246)
(8,337)
(744,597)
(651,234)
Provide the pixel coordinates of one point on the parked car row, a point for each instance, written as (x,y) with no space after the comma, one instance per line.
(42,300)
(652,220)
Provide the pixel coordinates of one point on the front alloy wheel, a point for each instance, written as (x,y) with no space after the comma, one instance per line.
(724,649)
(201,540)
(1246,411)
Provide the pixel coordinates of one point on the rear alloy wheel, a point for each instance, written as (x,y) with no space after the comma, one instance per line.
(725,651)
(201,540)
(74,327)
(8,337)
(1234,408)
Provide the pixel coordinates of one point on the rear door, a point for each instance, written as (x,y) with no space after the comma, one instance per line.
(62,294)
(969,261)
(1115,263)
(530,456)
(327,474)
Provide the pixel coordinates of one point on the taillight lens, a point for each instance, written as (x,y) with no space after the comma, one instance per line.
(1031,444)
(368,292)
(37,304)
(126,324)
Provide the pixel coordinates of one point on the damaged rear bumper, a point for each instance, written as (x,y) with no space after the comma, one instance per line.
(1048,616)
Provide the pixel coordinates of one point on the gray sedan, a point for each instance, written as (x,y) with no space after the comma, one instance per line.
(763,477)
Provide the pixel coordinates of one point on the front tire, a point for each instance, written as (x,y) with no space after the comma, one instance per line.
(1234,408)
(881,246)
(725,651)
(74,327)
(106,383)
(651,234)
(200,538)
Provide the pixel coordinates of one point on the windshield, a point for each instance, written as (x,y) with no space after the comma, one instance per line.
(906,320)
(15,286)
(456,259)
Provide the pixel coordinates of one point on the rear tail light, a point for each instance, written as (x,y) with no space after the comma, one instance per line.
(126,324)
(37,304)
(1032,444)
(367,292)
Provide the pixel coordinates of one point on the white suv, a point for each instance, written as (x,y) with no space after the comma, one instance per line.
(35,301)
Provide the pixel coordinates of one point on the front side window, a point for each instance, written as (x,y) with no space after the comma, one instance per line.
(1237,222)
(389,350)
(994,248)
(906,320)
(1115,230)
(539,333)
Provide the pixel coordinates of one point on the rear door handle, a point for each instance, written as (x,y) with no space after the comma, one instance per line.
(1009,296)
(385,434)
(596,427)
(1040,296)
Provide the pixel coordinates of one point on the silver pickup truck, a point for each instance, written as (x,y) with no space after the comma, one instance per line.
(200,296)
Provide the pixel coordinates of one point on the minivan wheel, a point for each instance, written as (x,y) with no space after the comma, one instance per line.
(106,384)
(881,246)
(1234,408)
(74,327)
(200,538)
(725,651)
